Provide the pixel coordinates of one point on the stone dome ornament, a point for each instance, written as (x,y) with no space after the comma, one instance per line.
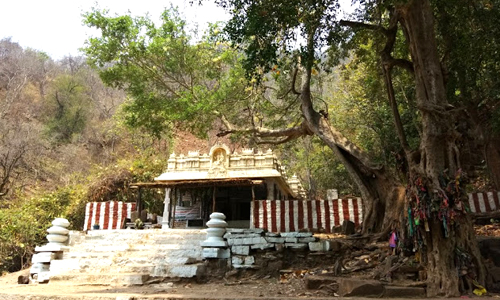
(58,233)
(215,231)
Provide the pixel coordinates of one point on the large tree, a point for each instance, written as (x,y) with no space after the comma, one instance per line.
(434,212)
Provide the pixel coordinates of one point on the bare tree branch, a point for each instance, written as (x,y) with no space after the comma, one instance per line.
(260,132)
(294,80)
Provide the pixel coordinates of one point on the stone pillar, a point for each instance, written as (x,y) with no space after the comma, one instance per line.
(57,237)
(270,190)
(166,220)
(215,246)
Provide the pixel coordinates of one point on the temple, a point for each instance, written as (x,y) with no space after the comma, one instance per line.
(199,184)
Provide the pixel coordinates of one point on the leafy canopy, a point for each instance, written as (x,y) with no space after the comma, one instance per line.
(172,80)
(269,30)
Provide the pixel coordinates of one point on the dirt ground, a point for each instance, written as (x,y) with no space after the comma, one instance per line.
(249,288)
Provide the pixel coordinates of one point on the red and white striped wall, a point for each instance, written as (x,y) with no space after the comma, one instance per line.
(484,202)
(109,215)
(293,215)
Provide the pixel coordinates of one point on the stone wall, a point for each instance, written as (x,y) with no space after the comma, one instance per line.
(245,244)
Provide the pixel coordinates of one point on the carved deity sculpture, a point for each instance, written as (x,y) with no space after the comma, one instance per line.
(219,163)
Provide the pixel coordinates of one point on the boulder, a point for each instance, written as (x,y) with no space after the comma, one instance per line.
(348,227)
(351,287)
(314,282)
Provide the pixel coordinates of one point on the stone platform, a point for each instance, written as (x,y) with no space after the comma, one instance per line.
(128,257)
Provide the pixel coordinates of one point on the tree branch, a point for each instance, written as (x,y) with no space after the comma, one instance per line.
(294,80)
(261,132)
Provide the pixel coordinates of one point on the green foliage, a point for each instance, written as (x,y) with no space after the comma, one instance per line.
(66,109)
(358,106)
(24,225)
(171,80)
(270,30)
(316,167)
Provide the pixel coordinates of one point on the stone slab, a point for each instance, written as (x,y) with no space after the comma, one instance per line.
(245,266)
(240,235)
(314,282)
(296,234)
(216,253)
(272,234)
(296,246)
(51,248)
(307,239)
(237,260)
(43,257)
(212,244)
(351,287)
(316,247)
(249,260)
(276,240)
(262,246)
(247,241)
(240,250)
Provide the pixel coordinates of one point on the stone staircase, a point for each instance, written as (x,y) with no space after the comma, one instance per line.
(129,257)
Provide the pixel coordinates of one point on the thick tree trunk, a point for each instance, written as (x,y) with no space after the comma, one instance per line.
(492,155)
(441,240)
(382,194)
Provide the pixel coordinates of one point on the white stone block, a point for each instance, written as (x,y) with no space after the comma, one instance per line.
(214,243)
(259,240)
(316,246)
(237,260)
(307,239)
(327,245)
(249,260)
(304,234)
(39,267)
(277,240)
(240,250)
(245,267)
(291,240)
(44,257)
(290,234)
(51,248)
(216,253)
(272,234)
(262,246)
(297,246)
(43,277)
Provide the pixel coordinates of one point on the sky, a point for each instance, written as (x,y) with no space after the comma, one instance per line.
(55,26)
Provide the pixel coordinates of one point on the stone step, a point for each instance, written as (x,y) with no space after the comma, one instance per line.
(194,251)
(152,247)
(82,261)
(144,240)
(161,270)
(100,279)
(126,257)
